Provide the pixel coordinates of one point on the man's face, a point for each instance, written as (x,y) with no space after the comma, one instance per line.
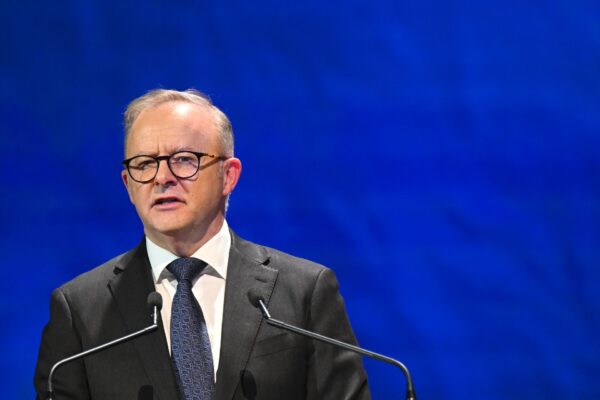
(169,206)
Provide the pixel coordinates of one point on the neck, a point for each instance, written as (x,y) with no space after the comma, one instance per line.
(184,244)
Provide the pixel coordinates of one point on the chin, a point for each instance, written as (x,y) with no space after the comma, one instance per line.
(168,228)
(173,230)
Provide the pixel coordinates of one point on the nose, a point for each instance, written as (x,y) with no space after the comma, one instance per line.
(164,176)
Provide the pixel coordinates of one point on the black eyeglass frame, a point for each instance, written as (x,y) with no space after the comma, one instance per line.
(158,159)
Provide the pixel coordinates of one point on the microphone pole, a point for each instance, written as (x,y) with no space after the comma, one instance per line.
(154,301)
(258,302)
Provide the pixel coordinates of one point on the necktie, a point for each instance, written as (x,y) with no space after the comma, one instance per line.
(190,346)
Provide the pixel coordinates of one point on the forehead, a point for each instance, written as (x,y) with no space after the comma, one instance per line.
(171,126)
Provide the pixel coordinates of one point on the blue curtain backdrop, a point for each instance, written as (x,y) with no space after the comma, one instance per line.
(442,157)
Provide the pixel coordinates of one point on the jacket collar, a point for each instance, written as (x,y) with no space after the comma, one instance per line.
(248,268)
(130,287)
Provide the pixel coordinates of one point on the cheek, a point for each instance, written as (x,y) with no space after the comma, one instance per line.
(133,191)
(204,191)
(138,196)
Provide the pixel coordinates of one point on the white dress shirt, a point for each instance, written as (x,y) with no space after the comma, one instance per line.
(208,288)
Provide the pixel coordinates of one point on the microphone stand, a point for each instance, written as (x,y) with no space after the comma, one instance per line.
(410,391)
(154,326)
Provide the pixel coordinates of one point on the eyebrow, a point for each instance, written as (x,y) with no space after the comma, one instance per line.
(155,154)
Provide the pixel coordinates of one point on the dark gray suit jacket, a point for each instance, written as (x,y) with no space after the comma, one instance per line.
(257,361)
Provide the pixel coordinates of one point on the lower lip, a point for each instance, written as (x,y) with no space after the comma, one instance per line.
(167,206)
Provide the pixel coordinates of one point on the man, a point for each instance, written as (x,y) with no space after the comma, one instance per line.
(179,171)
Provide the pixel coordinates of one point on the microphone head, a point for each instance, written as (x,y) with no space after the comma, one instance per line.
(254,297)
(155,300)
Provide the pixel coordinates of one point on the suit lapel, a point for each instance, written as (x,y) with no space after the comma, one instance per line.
(130,288)
(246,269)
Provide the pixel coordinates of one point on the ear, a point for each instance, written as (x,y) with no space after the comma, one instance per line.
(232,169)
(125,178)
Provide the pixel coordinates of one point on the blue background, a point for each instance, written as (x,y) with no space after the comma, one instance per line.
(441,156)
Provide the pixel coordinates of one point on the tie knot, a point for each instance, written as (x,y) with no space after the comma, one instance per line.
(186,268)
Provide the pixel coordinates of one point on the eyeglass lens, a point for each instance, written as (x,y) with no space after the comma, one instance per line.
(182,164)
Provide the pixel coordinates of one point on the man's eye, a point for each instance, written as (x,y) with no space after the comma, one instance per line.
(142,165)
(183,160)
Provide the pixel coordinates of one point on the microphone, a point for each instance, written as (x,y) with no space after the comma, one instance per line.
(154,303)
(257,301)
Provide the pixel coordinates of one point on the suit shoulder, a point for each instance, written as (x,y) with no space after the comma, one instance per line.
(98,276)
(285,260)
(277,259)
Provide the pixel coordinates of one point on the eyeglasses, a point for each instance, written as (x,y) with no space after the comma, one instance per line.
(182,164)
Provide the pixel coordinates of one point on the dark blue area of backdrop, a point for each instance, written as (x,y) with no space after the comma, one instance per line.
(442,157)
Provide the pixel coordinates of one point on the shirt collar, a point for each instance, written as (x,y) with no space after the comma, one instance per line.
(215,253)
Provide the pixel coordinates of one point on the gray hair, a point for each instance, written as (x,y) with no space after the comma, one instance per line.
(157,97)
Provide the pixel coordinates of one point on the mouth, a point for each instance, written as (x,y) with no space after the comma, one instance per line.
(165,201)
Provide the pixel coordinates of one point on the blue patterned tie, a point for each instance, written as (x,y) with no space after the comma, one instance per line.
(190,345)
